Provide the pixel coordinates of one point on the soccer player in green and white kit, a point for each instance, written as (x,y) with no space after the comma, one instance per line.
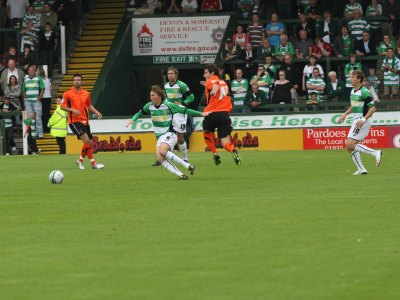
(162,113)
(362,107)
(178,92)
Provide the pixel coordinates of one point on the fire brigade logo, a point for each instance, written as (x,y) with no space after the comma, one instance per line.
(217,35)
(145,39)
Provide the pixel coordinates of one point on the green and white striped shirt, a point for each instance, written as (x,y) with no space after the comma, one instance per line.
(162,115)
(31,87)
(351,8)
(360,100)
(239,90)
(383,47)
(390,78)
(179,91)
(348,70)
(371,12)
(318,82)
(263,79)
(357,27)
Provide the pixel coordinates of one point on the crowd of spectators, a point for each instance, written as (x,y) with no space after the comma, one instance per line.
(36,21)
(270,34)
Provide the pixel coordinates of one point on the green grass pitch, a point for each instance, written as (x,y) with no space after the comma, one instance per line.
(284,225)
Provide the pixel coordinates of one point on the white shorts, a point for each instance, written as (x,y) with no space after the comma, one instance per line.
(169,138)
(357,133)
(179,122)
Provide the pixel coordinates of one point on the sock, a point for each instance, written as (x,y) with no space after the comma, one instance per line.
(364,149)
(210,141)
(171,156)
(229,147)
(171,168)
(92,161)
(356,157)
(184,151)
(84,151)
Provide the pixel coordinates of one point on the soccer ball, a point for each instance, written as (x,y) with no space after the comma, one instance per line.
(56,177)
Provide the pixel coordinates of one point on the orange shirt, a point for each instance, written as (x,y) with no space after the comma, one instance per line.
(80,101)
(220,101)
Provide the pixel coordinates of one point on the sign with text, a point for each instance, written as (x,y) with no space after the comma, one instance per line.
(335,138)
(178,59)
(250,122)
(177,36)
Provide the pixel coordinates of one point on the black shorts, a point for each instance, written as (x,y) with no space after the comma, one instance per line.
(80,129)
(220,121)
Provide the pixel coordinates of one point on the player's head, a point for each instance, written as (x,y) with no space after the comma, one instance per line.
(77,78)
(156,95)
(172,74)
(357,77)
(209,70)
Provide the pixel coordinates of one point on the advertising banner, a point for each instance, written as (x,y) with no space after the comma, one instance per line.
(194,35)
(335,138)
(146,142)
(252,122)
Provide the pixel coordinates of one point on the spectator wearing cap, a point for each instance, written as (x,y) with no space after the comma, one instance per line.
(231,52)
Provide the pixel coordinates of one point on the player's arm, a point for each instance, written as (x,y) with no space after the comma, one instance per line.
(64,106)
(144,111)
(343,117)
(184,110)
(187,94)
(95,111)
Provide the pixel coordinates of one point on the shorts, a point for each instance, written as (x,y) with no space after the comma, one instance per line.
(179,122)
(220,121)
(168,138)
(80,129)
(390,90)
(357,133)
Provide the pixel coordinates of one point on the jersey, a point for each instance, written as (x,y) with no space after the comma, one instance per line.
(263,79)
(221,101)
(178,91)
(162,116)
(239,90)
(317,82)
(360,100)
(31,87)
(79,100)
(348,70)
(390,78)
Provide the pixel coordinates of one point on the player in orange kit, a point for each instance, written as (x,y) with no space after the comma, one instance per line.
(220,104)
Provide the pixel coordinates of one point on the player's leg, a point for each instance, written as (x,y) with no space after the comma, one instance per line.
(224,132)
(179,125)
(360,134)
(163,147)
(171,139)
(209,138)
(182,146)
(94,164)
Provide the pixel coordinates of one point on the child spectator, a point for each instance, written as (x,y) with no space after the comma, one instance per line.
(30,123)
(373,80)
(7,106)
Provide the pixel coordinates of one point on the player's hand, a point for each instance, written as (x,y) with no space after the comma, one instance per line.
(341,119)
(203,83)
(99,116)
(360,123)
(205,114)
